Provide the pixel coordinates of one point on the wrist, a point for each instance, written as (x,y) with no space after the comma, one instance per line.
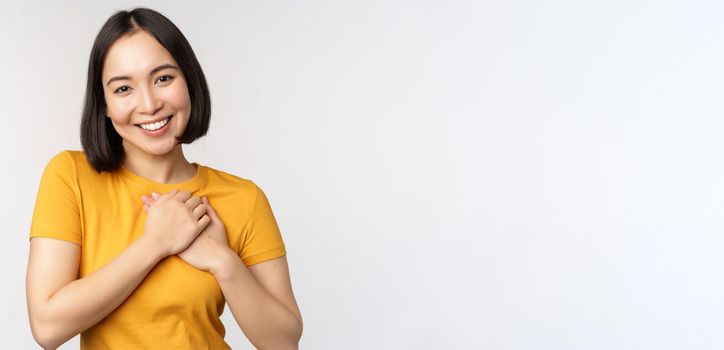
(156,249)
(227,261)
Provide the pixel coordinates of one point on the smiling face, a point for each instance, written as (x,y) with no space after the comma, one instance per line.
(146,94)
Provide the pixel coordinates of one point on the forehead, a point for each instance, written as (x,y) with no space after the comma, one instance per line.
(135,54)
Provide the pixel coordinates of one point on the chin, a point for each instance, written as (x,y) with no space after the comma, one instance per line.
(160,150)
(155,149)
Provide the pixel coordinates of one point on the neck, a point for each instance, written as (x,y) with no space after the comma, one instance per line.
(169,168)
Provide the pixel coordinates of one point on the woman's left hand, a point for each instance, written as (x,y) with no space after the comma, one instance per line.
(210,246)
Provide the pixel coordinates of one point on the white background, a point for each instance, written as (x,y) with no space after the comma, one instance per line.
(446,174)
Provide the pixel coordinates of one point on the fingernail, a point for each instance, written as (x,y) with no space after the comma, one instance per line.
(155,195)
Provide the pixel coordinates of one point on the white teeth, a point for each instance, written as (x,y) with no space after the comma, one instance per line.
(156,125)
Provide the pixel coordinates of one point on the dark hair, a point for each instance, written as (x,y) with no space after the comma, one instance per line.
(103,146)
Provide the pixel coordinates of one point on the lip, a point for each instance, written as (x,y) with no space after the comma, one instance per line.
(155,120)
(159,132)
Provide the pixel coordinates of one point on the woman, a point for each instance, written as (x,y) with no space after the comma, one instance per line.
(131,245)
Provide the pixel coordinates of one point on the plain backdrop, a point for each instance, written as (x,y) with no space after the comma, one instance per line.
(510,174)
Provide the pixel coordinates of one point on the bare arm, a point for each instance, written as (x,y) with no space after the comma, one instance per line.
(61,306)
(261,299)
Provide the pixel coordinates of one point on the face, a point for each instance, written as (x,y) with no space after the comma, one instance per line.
(146,94)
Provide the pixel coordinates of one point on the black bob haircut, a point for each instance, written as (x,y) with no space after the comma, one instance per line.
(103,146)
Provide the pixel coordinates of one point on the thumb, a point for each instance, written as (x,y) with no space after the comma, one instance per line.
(210,211)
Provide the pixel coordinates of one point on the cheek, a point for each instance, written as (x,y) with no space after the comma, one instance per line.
(178,96)
(118,110)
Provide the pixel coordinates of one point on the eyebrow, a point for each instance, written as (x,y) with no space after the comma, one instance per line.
(153,71)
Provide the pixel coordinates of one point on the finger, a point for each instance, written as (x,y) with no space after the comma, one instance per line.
(162,197)
(210,209)
(145,208)
(148,200)
(182,196)
(193,202)
(199,211)
(203,222)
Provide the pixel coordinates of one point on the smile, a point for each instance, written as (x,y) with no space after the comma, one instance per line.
(156,129)
(155,126)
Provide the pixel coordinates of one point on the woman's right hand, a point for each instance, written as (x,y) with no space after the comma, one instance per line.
(174,221)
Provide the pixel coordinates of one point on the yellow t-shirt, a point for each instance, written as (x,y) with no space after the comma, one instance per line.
(176,306)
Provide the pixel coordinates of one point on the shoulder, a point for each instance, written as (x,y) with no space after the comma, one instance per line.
(230,183)
(72,166)
(67,158)
(62,162)
(221,178)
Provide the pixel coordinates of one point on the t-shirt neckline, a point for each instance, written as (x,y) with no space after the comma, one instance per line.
(190,185)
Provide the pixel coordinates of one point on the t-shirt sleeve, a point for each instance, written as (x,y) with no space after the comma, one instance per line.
(262,239)
(57,213)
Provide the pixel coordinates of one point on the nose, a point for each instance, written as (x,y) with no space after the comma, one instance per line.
(148,103)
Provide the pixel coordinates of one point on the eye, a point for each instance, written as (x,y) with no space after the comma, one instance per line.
(164,78)
(121,89)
